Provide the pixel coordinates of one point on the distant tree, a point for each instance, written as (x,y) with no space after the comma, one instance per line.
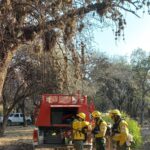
(140,62)
(117,87)
(113,82)
(96,69)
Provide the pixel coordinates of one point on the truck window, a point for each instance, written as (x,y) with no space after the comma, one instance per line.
(63,115)
(21,115)
(11,115)
(16,115)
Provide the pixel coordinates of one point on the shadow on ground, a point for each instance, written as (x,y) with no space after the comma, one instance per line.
(19,146)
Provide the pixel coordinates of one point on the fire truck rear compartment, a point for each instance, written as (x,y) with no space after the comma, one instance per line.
(53,136)
(63,115)
(61,119)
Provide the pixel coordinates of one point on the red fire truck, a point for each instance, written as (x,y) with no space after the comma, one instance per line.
(54,118)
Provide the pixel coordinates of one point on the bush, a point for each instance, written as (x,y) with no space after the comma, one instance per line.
(134,129)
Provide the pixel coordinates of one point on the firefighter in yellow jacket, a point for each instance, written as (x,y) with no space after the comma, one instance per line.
(80,128)
(99,130)
(120,130)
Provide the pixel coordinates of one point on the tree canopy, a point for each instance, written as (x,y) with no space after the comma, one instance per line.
(22,20)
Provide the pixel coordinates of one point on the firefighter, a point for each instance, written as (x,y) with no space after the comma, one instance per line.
(99,130)
(120,130)
(80,128)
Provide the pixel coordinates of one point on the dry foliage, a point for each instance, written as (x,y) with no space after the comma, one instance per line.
(57,22)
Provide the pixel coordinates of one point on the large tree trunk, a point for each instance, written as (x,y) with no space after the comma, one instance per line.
(135,110)
(3,72)
(4,124)
(142,111)
(23,112)
(3,69)
(142,106)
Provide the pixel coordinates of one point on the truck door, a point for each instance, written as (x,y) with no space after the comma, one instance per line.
(21,118)
(16,118)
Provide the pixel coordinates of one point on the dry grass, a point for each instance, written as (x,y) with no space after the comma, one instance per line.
(17,133)
(20,138)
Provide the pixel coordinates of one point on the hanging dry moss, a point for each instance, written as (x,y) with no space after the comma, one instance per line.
(50,38)
(21,21)
(70,29)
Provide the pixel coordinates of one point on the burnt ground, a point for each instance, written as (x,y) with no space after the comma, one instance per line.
(20,138)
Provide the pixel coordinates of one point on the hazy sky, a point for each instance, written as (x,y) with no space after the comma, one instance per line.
(137,35)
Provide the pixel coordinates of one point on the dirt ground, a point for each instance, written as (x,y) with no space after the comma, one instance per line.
(20,138)
(146,137)
(17,138)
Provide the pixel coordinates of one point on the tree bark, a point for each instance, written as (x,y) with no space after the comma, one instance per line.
(4,124)
(142,112)
(23,112)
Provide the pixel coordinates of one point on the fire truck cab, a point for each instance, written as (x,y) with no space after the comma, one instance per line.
(54,119)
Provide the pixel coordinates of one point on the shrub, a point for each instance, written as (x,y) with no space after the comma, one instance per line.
(134,129)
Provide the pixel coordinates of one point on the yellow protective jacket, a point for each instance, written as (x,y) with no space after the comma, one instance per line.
(102,127)
(77,127)
(122,134)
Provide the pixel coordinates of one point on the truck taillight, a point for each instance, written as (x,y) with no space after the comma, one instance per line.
(35,135)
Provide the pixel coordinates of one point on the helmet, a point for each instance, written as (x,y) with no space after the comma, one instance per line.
(114,112)
(96,114)
(81,115)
